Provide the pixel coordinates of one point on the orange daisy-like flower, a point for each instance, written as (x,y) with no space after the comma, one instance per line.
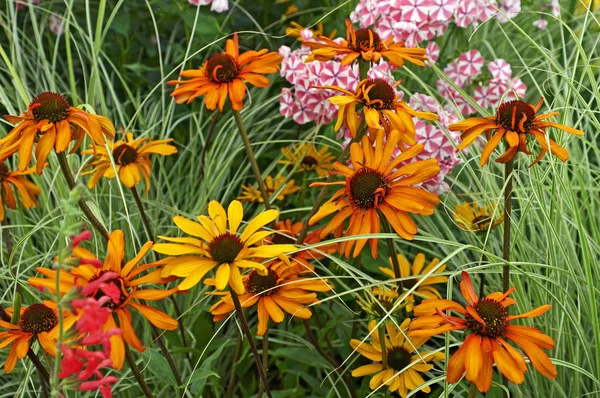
(28,191)
(381,107)
(52,123)
(363,43)
(281,289)
(129,281)
(223,76)
(378,185)
(38,321)
(488,324)
(295,30)
(131,157)
(515,121)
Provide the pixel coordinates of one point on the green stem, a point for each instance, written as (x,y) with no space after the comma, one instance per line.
(236,358)
(472,391)
(392,250)
(252,159)
(136,373)
(265,357)
(363,68)
(508,191)
(145,221)
(261,371)
(382,343)
(482,280)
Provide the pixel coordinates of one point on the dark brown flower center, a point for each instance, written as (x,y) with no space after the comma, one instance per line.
(516,116)
(262,284)
(309,162)
(367,188)
(280,239)
(380,93)
(366,40)
(222,68)
(382,307)
(482,221)
(49,106)
(4,171)
(225,248)
(398,358)
(493,314)
(124,154)
(120,284)
(38,318)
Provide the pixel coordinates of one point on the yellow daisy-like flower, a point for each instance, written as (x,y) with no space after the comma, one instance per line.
(295,29)
(380,302)
(28,191)
(404,363)
(381,106)
(309,158)
(416,273)
(219,246)
(131,157)
(51,122)
(471,217)
(279,185)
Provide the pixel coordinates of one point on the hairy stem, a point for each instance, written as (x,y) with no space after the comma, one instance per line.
(136,373)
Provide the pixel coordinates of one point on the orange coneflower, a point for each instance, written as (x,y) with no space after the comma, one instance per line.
(278,185)
(376,183)
(131,157)
(404,363)
(381,107)
(488,324)
(223,76)
(27,189)
(515,121)
(129,281)
(52,123)
(282,288)
(220,246)
(471,217)
(37,321)
(309,158)
(415,274)
(364,43)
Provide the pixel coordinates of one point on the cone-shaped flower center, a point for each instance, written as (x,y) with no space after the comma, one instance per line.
(381,95)
(262,284)
(124,154)
(280,239)
(38,318)
(309,162)
(381,307)
(363,40)
(493,314)
(225,248)
(4,171)
(482,221)
(222,68)
(516,116)
(49,106)
(398,358)
(367,188)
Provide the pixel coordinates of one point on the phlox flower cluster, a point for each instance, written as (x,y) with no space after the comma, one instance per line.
(553,8)
(215,5)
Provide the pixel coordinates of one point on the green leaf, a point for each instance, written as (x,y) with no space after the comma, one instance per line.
(205,25)
(303,355)
(158,365)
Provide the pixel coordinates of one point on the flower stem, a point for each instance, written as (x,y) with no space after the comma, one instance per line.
(252,159)
(482,280)
(136,373)
(145,221)
(265,357)
(363,68)
(382,344)
(392,250)
(248,333)
(472,391)
(213,124)
(508,191)
(236,358)
(66,171)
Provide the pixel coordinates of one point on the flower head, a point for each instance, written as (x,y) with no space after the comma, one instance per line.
(515,121)
(128,280)
(309,158)
(404,363)
(279,185)
(303,34)
(12,180)
(377,185)
(281,289)
(219,246)
(489,326)
(364,43)
(51,122)
(131,157)
(471,217)
(224,76)
(381,302)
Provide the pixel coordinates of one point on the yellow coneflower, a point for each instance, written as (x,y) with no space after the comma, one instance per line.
(381,107)
(404,363)
(309,158)
(515,121)
(28,191)
(129,281)
(364,43)
(377,183)
(416,273)
(471,217)
(220,246)
(131,157)
(281,289)
(51,122)
(488,324)
(37,321)
(277,185)
(380,302)
(295,29)
(224,76)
